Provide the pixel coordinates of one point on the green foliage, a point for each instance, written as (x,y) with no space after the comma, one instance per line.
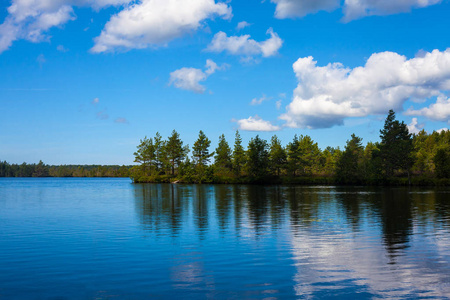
(41,170)
(442,162)
(294,159)
(257,158)
(396,146)
(303,156)
(238,156)
(329,159)
(349,164)
(277,156)
(174,151)
(144,154)
(200,151)
(222,158)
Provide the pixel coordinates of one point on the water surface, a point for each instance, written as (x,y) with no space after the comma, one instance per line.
(109,239)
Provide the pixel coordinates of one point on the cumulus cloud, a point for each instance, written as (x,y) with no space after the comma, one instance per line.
(30,20)
(242,25)
(415,127)
(256,124)
(325,96)
(352,9)
(152,23)
(300,8)
(442,129)
(190,78)
(356,9)
(439,111)
(244,45)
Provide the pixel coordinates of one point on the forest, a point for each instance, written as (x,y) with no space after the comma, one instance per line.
(43,170)
(399,158)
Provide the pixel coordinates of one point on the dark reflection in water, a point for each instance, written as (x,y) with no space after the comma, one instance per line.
(108,238)
(370,242)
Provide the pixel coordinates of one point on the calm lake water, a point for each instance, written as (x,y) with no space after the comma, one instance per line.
(110,239)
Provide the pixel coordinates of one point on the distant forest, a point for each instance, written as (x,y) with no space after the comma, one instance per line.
(43,170)
(400,158)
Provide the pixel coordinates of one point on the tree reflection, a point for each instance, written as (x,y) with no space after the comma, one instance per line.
(396,219)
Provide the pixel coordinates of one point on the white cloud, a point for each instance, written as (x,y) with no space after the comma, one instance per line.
(256,101)
(256,124)
(300,8)
(439,111)
(355,9)
(325,96)
(30,20)
(442,129)
(190,78)
(242,25)
(352,9)
(152,23)
(95,101)
(415,127)
(243,45)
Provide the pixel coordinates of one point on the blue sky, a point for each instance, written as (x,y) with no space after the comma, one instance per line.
(82,81)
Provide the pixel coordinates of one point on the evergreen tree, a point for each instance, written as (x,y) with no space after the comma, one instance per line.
(41,170)
(174,151)
(143,155)
(309,155)
(238,158)
(160,152)
(294,154)
(222,158)
(396,146)
(442,162)
(277,155)
(200,151)
(330,157)
(257,158)
(349,165)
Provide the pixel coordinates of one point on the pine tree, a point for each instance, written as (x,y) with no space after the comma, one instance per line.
(309,155)
(222,159)
(174,151)
(144,154)
(442,163)
(41,170)
(277,155)
(257,158)
(200,151)
(396,146)
(348,167)
(238,157)
(293,152)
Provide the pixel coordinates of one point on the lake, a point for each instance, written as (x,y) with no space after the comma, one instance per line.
(102,238)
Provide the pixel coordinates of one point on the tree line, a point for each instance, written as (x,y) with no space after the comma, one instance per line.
(43,170)
(398,158)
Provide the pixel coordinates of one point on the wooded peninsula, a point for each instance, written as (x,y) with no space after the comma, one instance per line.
(400,158)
